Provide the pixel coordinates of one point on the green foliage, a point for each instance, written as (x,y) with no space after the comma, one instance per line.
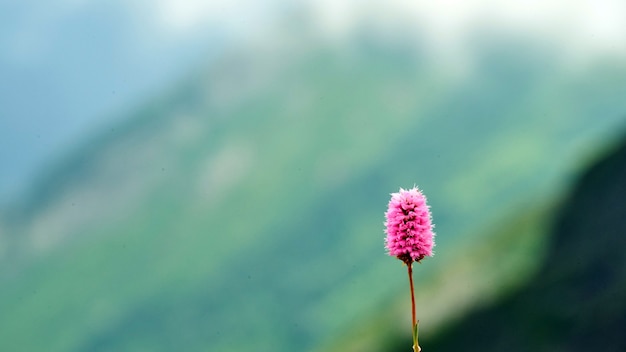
(244,211)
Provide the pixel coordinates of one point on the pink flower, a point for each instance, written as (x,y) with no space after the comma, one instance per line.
(408,226)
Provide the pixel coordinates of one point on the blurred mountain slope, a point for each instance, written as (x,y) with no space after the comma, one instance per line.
(576,301)
(244,209)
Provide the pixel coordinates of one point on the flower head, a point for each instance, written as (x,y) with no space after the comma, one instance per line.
(408,226)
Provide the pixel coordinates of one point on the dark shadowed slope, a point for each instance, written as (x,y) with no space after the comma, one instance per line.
(577,301)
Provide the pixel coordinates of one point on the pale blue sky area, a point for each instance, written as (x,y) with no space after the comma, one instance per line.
(68,68)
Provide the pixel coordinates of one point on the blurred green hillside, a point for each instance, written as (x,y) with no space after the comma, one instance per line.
(243,209)
(576,300)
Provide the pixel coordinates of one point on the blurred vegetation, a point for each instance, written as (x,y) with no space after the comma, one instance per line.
(576,300)
(243,210)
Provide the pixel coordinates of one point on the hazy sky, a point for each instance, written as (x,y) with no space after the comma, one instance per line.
(70,67)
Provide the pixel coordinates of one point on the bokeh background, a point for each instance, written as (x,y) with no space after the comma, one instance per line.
(212,176)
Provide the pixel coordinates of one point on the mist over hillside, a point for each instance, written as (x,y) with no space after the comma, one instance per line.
(243,209)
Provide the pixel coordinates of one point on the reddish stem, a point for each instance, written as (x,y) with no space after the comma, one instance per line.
(416,347)
(410,266)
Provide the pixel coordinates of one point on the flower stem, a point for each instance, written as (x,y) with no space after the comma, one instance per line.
(410,266)
(416,347)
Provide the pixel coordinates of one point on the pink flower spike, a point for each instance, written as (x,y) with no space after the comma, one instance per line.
(408,226)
